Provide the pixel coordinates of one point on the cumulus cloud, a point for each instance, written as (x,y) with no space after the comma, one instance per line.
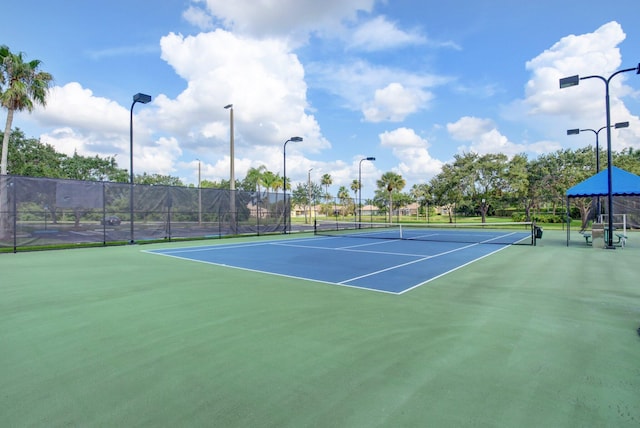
(79,107)
(483,137)
(394,103)
(261,18)
(84,123)
(590,54)
(416,164)
(370,89)
(261,78)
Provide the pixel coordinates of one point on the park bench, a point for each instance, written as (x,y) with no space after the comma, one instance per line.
(620,241)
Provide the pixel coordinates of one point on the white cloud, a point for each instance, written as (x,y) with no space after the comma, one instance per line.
(198,17)
(394,103)
(159,157)
(416,164)
(370,88)
(483,137)
(590,54)
(78,107)
(261,78)
(263,18)
(84,123)
(378,34)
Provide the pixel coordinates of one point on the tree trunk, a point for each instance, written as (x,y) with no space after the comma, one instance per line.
(4,195)
(5,142)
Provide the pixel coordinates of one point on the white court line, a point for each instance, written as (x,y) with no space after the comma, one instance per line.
(408,263)
(351,248)
(451,270)
(270,273)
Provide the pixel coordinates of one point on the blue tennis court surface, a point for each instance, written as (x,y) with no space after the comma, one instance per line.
(390,266)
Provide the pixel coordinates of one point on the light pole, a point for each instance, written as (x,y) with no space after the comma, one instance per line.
(232,179)
(199,197)
(284,179)
(575,80)
(577,131)
(142,99)
(309,190)
(370,158)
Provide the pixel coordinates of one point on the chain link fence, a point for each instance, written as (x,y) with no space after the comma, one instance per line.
(42,212)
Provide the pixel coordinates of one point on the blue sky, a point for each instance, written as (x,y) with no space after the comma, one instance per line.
(409,82)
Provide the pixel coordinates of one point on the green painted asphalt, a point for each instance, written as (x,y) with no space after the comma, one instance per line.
(541,336)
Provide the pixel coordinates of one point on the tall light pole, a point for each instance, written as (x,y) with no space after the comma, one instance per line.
(575,80)
(309,190)
(577,131)
(360,186)
(284,178)
(199,196)
(232,178)
(142,99)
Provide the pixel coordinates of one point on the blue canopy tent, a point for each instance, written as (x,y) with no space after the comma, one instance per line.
(623,183)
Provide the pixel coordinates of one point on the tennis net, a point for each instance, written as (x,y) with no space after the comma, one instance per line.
(503,233)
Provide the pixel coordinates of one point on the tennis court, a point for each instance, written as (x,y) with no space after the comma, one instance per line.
(530,336)
(379,257)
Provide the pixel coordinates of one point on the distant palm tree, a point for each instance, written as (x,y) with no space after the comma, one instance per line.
(255,176)
(391,181)
(326,181)
(355,186)
(343,196)
(26,86)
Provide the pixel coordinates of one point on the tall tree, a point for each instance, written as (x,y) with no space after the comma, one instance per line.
(355,186)
(30,158)
(269,180)
(345,200)
(421,193)
(391,182)
(253,180)
(326,181)
(445,188)
(23,86)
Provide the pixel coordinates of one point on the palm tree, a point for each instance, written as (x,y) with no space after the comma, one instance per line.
(21,87)
(268,180)
(326,181)
(25,87)
(355,186)
(255,177)
(343,196)
(391,181)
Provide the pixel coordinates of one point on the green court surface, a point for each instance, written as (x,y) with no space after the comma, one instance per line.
(542,336)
